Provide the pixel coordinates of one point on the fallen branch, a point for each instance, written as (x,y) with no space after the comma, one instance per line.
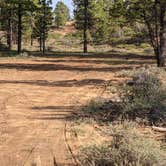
(159,129)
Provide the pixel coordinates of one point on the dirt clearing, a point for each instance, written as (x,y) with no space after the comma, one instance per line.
(37,98)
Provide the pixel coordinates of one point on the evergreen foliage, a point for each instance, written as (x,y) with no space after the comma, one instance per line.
(62,14)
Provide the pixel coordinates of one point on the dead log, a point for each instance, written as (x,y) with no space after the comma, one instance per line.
(159,129)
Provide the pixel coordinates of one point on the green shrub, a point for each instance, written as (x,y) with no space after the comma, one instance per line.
(94,105)
(73,36)
(128,148)
(55,36)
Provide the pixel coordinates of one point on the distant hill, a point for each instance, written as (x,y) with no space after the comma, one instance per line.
(69,28)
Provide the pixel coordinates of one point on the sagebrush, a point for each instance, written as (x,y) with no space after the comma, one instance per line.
(144,97)
(128,148)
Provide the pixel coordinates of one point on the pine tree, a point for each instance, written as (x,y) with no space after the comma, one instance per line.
(83,17)
(21,8)
(8,22)
(92,17)
(152,13)
(42,21)
(16,20)
(100,30)
(62,14)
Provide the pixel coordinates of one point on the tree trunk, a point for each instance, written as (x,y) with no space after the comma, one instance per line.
(158,35)
(31,40)
(159,129)
(85,42)
(19,28)
(8,37)
(44,28)
(10,32)
(85,26)
(162,54)
(40,42)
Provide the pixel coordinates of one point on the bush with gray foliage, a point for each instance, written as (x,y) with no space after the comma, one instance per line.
(144,98)
(128,148)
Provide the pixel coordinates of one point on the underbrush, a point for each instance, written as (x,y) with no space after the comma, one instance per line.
(158,72)
(141,99)
(128,148)
(95,105)
(144,97)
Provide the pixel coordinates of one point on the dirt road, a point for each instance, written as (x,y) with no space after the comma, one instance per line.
(37,97)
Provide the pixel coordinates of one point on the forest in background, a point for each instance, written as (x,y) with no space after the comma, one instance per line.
(97,22)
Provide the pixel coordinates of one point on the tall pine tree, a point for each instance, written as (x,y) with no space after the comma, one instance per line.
(92,17)
(152,13)
(62,14)
(83,17)
(44,20)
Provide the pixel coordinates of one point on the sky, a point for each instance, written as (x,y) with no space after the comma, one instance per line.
(69,3)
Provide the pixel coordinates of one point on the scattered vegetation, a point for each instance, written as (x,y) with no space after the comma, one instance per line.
(94,105)
(141,99)
(128,147)
(144,97)
(158,72)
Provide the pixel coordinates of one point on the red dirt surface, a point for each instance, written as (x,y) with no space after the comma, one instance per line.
(69,28)
(37,98)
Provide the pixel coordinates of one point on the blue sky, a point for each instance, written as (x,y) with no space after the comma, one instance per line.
(69,3)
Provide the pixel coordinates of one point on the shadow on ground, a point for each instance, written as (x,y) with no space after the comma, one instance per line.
(113,60)
(101,61)
(55,112)
(109,112)
(58,67)
(110,54)
(56,54)
(65,83)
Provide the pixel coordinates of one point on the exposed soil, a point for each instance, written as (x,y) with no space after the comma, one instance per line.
(38,97)
(69,28)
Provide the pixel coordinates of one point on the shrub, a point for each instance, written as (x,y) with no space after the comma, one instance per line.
(95,156)
(145,98)
(131,148)
(142,99)
(128,148)
(55,36)
(159,72)
(94,105)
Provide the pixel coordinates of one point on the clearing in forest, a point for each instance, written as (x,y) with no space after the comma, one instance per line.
(39,96)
